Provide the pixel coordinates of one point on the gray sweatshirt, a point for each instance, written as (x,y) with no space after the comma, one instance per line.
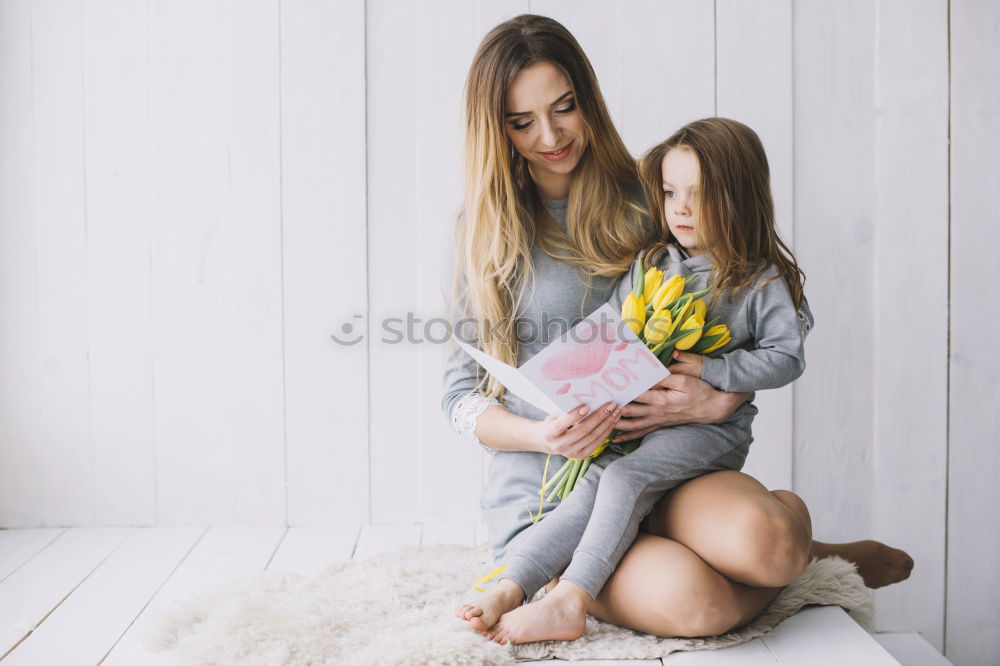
(556,300)
(766,349)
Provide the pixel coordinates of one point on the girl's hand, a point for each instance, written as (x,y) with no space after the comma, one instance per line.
(558,435)
(686,400)
(686,363)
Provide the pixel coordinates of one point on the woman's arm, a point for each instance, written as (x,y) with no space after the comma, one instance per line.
(676,399)
(501,429)
(494,426)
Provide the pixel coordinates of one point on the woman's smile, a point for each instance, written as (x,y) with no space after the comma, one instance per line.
(556,155)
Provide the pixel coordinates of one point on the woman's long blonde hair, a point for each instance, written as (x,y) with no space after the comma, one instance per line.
(503,211)
(735,208)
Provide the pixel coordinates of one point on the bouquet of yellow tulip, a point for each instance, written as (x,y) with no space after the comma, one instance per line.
(665,318)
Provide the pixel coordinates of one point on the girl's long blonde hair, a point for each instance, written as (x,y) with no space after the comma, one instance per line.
(734,204)
(503,213)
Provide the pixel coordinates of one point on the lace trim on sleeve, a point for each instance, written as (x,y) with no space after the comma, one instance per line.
(466,413)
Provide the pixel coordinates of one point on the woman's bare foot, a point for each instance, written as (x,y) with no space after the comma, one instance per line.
(483,614)
(878,564)
(560,615)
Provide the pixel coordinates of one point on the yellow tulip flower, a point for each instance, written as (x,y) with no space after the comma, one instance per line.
(651,282)
(721,342)
(700,308)
(658,328)
(695,321)
(686,308)
(634,312)
(668,292)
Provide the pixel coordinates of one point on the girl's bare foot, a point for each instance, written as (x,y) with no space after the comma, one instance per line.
(878,564)
(483,614)
(558,616)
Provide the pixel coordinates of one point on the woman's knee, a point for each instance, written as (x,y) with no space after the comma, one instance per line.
(775,541)
(797,505)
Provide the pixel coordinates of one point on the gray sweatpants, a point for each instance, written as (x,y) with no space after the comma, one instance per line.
(593,527)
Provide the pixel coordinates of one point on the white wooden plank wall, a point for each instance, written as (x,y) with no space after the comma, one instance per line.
(324,235)
(22,465)
(393,230)
(834,149)
(911,295)
(57,195)
(194,196)
(119,177)
(216,246)
(972,623)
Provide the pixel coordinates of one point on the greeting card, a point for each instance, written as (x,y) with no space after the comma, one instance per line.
(597,361)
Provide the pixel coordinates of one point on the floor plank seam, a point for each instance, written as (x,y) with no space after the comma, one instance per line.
(153,596)
(357,540)
(68,594)
(277,546)
(35,554)
(768,648)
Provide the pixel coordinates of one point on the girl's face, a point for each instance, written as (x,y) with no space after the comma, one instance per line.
(680,197)
(545,126)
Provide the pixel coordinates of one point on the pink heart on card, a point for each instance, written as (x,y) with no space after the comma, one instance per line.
(582,360)
(563,390)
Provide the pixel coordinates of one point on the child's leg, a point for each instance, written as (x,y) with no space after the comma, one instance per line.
(540,552)
(629,488)
(547,547)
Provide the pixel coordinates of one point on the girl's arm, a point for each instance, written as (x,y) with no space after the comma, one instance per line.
(674,400)
(777,355)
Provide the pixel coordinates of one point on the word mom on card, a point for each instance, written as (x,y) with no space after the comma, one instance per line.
(599,360)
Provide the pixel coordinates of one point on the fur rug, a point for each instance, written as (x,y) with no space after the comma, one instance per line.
(397,608)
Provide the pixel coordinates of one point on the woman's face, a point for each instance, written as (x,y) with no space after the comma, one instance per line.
(545,126)
(680,197)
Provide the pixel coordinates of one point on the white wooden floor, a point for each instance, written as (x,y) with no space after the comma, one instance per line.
(81,595)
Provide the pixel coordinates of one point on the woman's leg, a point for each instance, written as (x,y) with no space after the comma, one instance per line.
(663,588)
(737,527)
(752,543)
(759,537)
(628,489)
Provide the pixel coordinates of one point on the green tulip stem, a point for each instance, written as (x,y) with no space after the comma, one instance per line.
(576,477)
(559,486)
(567,481)
(556,477)
(557,489)
(571,478)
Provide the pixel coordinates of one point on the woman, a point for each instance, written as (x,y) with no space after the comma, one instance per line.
(553,214)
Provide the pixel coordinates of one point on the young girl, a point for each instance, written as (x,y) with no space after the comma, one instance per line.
(709,185)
